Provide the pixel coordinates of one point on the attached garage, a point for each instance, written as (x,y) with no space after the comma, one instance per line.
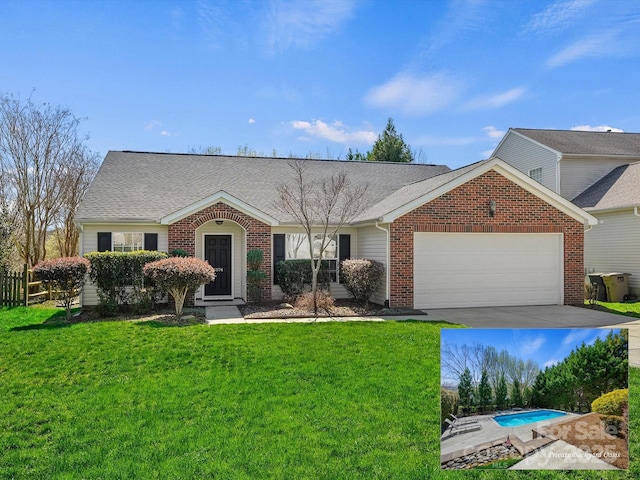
(454,270)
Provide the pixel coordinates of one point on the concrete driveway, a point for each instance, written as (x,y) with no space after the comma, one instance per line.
(547,316)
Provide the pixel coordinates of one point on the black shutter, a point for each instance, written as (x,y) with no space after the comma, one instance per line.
(104,241)
(151,241)
(279,253)
(344,250)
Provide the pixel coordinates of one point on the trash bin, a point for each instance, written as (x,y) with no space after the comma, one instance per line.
(617,285)
(596,280)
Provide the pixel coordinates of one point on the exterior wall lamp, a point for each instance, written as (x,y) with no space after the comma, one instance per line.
(492,208)
(218,222)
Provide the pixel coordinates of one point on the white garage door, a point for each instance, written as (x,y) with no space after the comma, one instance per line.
(454,270)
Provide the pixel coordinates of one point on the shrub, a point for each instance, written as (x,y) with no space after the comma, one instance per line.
(294,276)
(119,277)
(361,278)
(612,403)
(255,276)
(178,252)
(64,274)
(448,404)
(179,275)
(324,301)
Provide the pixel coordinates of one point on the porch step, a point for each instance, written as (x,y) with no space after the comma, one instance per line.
(218,303)
(223,314)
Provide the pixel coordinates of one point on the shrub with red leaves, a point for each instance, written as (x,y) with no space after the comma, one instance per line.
(66,275)
(179,275)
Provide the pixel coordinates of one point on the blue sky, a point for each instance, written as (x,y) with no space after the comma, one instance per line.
(546,347)
(323,76)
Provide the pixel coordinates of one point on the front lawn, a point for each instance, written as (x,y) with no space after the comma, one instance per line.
(145,400)
(627,309)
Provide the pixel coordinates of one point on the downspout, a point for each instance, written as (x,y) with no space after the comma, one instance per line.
(388,269)
(558,158)
(635,212)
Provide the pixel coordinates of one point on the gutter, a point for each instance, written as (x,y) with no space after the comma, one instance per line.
(388,269)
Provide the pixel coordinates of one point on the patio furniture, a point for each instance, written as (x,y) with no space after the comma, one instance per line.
(457,429)
(462,421)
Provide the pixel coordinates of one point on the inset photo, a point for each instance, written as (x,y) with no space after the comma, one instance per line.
(534,399)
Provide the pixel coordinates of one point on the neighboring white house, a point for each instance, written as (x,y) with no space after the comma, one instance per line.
(598,171)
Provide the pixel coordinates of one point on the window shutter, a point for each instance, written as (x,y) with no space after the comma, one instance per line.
(344,251)
(104,241)
(151,241)
(345,247)
(279,253)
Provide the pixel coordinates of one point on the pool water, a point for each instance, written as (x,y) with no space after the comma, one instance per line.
(518,419)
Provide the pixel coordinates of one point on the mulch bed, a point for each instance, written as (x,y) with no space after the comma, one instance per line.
(342,308)
(587,433)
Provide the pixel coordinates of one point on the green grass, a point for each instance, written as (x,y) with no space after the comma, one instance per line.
(628,309)
(144,400)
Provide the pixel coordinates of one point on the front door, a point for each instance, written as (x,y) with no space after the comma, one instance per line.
(217,251)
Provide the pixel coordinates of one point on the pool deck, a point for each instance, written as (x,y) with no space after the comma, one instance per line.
(539,453)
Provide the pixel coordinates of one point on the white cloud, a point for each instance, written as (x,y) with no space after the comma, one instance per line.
(415,95)
(301,24)
(558,15)
(551,363)
(251,121)
(335,132)
(165,133)
(598,128)
(497,100)
(531,345)
(575,336)
(595,46)
(493,133)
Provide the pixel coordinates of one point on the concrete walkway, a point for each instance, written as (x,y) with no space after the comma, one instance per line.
(561,455)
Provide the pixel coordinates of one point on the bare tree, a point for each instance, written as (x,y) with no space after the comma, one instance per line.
(322,206)
(42,159)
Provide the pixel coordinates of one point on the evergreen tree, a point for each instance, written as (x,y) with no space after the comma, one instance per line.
(465,390)
(501,392)
(390,147)
(516,394)
(484,391)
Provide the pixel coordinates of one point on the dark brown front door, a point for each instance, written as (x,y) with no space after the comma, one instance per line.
(217,251)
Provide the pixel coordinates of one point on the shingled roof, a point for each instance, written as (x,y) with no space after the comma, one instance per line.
(619,189)
(574,142)
(146,187)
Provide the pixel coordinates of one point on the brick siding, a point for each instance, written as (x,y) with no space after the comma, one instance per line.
(182,234)
(465,209)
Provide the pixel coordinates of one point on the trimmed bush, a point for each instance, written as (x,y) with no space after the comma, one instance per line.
(120,279)
(294,277)
(66,275)
(361,278)
(612,403)
(179,275)
(178,252)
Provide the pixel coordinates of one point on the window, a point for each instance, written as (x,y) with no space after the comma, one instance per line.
(127,242)
(296,246)
(536,174)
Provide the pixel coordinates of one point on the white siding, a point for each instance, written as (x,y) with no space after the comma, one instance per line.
(372,245)
(89,243)
(526,155)
(614,246)
(577,174)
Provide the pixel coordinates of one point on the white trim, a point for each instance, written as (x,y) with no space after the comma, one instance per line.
(218,197)
(509,172)
(233,270)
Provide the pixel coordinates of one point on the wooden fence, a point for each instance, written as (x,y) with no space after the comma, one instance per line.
(18,289)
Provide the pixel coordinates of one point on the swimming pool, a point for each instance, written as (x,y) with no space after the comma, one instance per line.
(523,418)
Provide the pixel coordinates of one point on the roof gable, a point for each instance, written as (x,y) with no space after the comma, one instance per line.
(419,193)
